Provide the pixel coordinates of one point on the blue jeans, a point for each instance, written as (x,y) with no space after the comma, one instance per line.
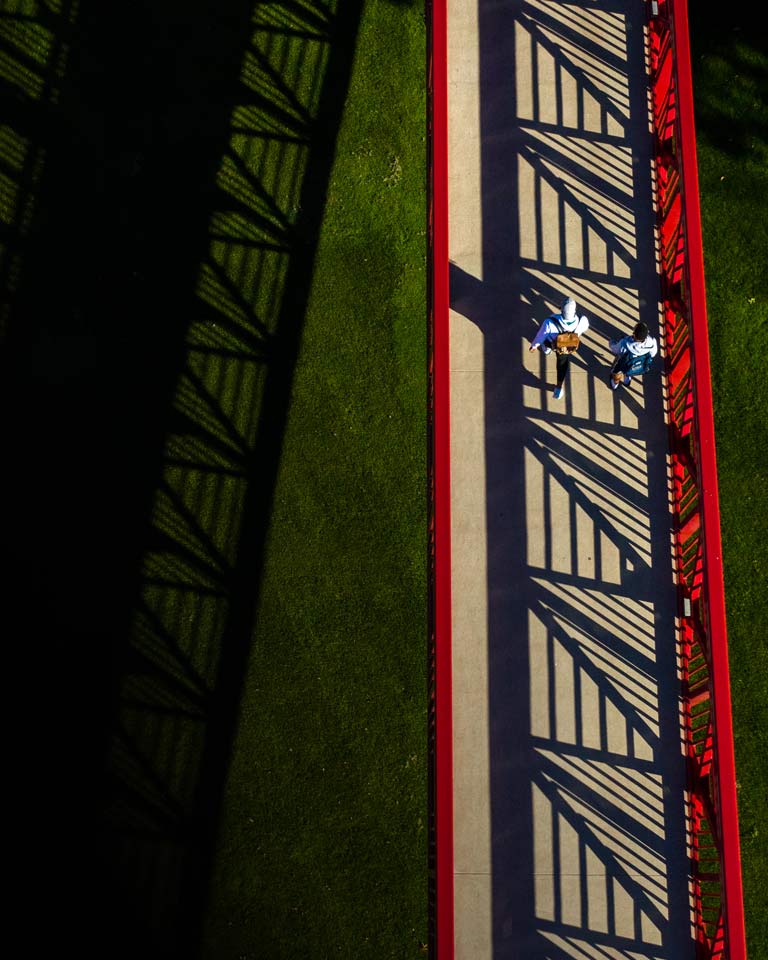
(630,365)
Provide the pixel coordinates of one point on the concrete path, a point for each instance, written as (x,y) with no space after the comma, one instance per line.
(569,773)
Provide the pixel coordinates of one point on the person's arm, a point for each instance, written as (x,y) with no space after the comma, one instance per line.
(541,336)
(654,347)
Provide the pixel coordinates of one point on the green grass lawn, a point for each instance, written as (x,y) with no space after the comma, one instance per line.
(322,849)
(730,61)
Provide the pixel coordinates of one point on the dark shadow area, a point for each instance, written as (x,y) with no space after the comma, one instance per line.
(727,33)
(523,438)
(146,382)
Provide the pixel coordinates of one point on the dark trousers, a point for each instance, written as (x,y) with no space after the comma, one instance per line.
(563,359)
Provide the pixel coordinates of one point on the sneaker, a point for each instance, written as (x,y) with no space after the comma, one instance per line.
(559,391)
(546,350)
(626,381)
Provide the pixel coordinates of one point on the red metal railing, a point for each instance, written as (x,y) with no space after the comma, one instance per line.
(441,713)
(713,822)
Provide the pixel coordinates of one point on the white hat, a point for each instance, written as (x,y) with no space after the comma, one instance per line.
(568,310)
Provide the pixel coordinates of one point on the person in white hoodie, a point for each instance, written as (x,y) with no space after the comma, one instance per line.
(567,321)
(633,356)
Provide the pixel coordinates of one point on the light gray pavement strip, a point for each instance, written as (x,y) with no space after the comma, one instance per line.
(569,784)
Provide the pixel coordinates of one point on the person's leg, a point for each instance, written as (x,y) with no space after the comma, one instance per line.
(617,375)
(636,367)
(563,359)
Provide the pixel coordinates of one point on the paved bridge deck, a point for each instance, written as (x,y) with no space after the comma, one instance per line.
(569,776)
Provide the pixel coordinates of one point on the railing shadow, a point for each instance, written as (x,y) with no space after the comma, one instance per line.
(34,50)
(158,318)
(587,779)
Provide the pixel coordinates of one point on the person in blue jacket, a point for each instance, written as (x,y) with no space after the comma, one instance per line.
(634,355)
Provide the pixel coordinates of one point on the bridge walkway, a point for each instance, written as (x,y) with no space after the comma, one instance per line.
(569,771)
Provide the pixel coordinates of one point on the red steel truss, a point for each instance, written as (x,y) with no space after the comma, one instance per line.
(713,835)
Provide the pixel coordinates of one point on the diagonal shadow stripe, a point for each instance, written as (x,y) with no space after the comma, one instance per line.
(288,15)
(581,616)
(236,230)
(597,755)
(267,191)
(577,496)
(153,688)
(204,448)
(627,854)
(610,691)
(604,804)
(233,293)
(571,421)
(616,591)
(196,401)
(558,25)
(568,452)
(534,25)
(163,576)
(623,512)
(597,447)
(599,946)
(570,275)
(582,619)
(636,794)
(558,797)
(605,141)
(253,118)
(166,563)
(614,247)
(182,527)
(268,82)
(578,170)
(247,189)
(43,15)
(158,645)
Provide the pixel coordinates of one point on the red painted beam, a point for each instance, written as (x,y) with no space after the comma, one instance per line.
(438,84)
(733,904)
